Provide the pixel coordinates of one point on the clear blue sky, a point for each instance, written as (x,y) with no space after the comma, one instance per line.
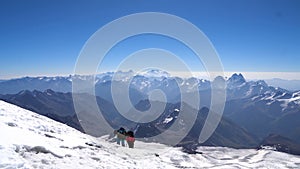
(44,37)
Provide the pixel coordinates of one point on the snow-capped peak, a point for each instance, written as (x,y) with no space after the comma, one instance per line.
(296,94)
(154,73)
(262,83)
(237,78)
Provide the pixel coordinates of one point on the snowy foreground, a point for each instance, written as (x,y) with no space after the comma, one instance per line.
(29,140)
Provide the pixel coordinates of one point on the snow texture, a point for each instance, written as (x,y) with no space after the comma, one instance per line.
(29,140)
(167,120)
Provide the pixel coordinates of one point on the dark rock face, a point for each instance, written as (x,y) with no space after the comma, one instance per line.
(281,144)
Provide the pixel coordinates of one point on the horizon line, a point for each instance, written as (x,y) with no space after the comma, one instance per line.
(196,74)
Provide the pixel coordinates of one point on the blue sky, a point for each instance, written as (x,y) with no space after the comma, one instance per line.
(45,37)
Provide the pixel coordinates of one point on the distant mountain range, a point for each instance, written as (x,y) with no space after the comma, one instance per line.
(253,109)
(57,106)
(263,109)
(292,85)
(13,86)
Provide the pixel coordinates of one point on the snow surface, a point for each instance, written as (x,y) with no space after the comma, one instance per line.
(168,120)
(154,73)
(29,140)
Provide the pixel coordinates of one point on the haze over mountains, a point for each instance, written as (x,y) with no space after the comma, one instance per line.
(292,85)
(253,109)
(64,83)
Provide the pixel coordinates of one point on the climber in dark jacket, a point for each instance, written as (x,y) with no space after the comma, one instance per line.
(121,136)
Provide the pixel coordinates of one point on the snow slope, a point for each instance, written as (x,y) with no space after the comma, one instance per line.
(29,140)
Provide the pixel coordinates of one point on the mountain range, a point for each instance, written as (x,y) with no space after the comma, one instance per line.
(292,85)
(46,103)
(253,109)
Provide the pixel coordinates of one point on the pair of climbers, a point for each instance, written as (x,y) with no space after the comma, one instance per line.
(122,135)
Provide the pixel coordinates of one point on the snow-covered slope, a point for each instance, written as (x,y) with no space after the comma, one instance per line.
(29,140)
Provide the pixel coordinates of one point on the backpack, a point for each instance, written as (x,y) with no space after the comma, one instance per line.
(130,134)
(122,130)
(130,139)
